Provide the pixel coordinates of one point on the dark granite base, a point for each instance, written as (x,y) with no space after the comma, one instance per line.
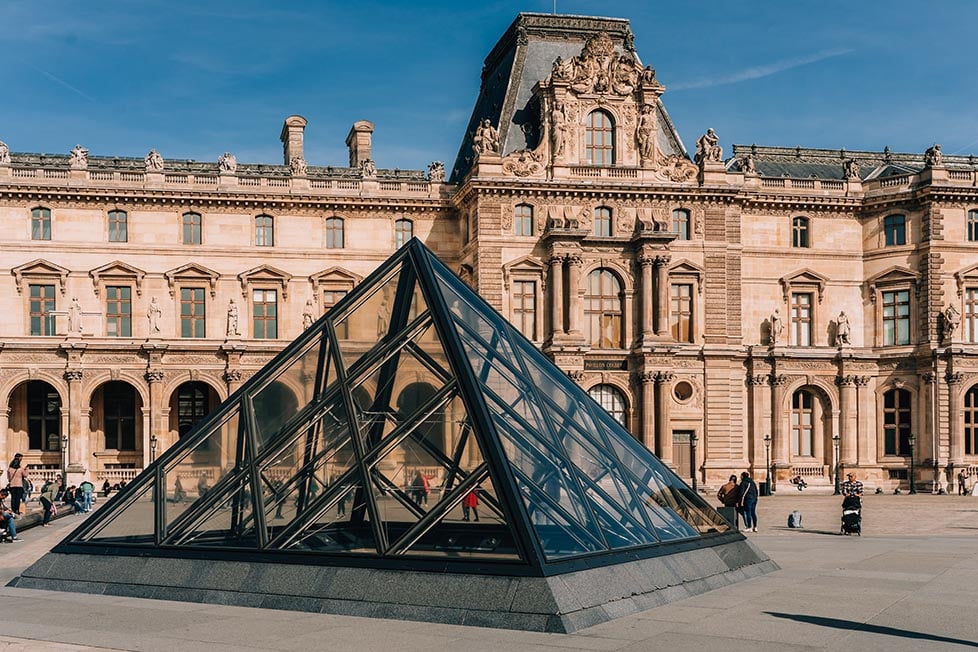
(562,603)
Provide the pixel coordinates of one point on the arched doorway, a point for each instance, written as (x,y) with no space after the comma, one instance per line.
(810,447)
(189,404)
(116,426)
(34,425)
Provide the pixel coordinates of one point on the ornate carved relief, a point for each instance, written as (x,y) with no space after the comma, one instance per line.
(676,169)
(523,163)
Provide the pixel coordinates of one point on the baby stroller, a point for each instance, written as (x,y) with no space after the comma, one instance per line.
(852,516)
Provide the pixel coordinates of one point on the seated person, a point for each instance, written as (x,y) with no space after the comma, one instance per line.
(800,481)
(7,516)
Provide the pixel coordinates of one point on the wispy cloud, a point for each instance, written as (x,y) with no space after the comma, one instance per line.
(757,72)
(63,83)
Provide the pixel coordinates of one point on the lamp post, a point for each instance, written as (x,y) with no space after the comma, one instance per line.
(835,443)
(152,448)
(692,458)
(767,463)
(913,489)
(64,460)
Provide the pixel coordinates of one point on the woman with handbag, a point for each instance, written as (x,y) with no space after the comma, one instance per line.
(17,478)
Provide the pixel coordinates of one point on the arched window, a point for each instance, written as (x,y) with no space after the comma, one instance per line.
(971,421)
(264,231)
(191,228)
(118,226)
(191,406)
(612,400)
(40,223)
(523,220)
(680,223)
(411,399)
(802,424)
(895,230)
(599,139)
(800,235)
(602,308)
(43,416)
(119,408)
(896,422)
(973,226)
(334,233)
(403,231)
(602,222)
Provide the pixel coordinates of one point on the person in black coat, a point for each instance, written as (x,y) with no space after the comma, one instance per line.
(747,501)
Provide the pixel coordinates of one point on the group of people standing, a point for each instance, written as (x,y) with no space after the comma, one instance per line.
(743,497)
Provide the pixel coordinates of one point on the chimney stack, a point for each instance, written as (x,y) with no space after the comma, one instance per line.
(359,142)
(291,137)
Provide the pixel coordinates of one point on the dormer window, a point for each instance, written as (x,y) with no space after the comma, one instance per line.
(599,139)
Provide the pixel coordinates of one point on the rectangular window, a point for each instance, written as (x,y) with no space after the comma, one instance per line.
(681,311)
(42,305)
(40,224)
(265,313)
(330,299)
(801,319)
(896,422)
(192,323)
(118,231)
(523,220)
(525,308)
(264,231)
(971,314)
(680,224)
(896,318)
(334,233)
(191,228)
(118,311)
(895,230)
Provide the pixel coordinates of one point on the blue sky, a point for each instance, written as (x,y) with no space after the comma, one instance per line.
(195,79)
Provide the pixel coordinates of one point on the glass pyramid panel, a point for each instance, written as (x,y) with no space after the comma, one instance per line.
(204,463)
(411,421)
(135,525)
(281,398)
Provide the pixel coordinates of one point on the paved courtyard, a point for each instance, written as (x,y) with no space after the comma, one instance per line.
(910,583)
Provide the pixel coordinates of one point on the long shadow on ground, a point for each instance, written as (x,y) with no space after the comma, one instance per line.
(873,629)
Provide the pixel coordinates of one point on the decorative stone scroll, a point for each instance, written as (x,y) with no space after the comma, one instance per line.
(523,163)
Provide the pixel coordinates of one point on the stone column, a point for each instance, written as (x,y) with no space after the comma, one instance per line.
(4,428)
(647,379)
(648,314)
(954,418)
(557,294)
(663,379)
(865,438)
(662,295)
(574,297)
(157,426)
(759,426)
(779,438)
(77,435)
(847,419)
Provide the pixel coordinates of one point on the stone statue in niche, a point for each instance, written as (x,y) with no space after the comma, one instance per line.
(4,153)
(308,315)
(79,158)
(559,129)
(645,133)
(153,314)
(951,319)
(298,166)
(708,148)
(75,316)
(933,157)
(227,163)
(153,161)
(368,169)
(747,165)
(233,319)
(852,169)
(436,172)
(777,326)
(842,329)
(486,139)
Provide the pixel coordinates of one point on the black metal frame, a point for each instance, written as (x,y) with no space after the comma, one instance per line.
(416,266)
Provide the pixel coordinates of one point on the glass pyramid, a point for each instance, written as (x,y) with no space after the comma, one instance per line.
(411,424)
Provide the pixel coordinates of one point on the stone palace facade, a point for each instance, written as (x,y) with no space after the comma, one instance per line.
(760,308)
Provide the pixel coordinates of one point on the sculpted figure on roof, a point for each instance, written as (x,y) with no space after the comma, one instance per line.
(154,161)
(708,148)
(436,172)
(298,166)
(747,164)
(227,163)
(645,133)
(79,158)
(4,153)
(486,139)
(933,157)
(852,169)
(368,169)
(599,70)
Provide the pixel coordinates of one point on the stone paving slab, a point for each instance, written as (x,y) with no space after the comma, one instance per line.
(908,584)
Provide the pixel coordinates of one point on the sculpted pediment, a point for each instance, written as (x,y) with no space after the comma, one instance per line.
(265,274)
(966,276)
(117,271)
(192,272)
(803,277)
(39,269)
(335,276)
(895,275)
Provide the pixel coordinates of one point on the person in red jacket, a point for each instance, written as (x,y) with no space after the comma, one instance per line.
(470,503)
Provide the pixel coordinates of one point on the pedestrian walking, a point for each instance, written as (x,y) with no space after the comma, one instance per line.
(747,501)
(470,504)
